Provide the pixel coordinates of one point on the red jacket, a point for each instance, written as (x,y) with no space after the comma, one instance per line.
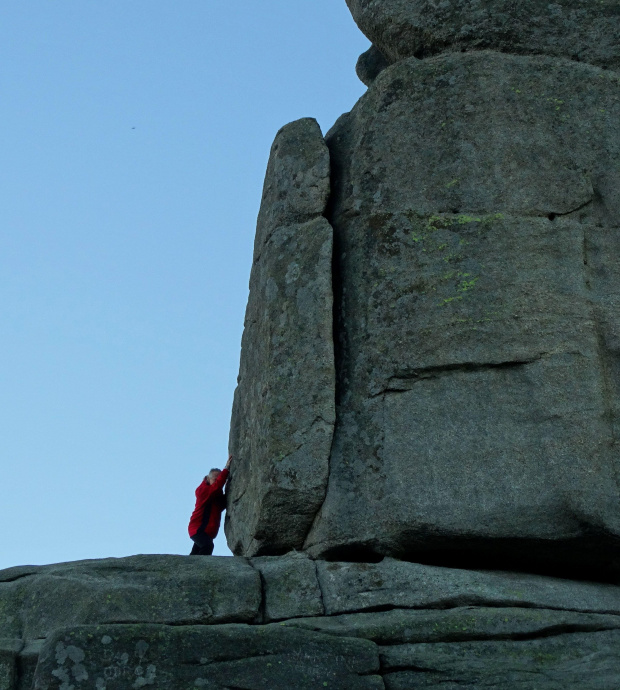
(210,502)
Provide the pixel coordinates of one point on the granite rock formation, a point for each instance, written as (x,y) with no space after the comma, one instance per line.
(173,622)
(283,416)
(475,207)
(428,399)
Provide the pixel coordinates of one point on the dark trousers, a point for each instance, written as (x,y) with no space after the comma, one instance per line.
(203,545)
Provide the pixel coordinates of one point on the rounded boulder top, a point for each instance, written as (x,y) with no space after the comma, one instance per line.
(583,30)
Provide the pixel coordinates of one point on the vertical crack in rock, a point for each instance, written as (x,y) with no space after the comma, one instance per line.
(283,412)
(260,616)
(320,584)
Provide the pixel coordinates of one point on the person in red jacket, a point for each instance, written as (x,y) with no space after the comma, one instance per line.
(210,502)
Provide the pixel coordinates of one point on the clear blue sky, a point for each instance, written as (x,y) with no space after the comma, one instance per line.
(135,136)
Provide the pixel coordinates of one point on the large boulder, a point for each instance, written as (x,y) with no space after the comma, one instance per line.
(476,215)
(284,407)
(579,29)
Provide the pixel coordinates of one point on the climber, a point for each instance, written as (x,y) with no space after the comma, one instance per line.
(210,502)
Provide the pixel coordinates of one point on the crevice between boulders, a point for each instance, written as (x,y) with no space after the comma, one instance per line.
(336,283)
(446,50)
(260,616)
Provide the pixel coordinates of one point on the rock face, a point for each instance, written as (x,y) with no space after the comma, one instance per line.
(476,217)
(173,622)
(473,207)
(574,29)
(283,416)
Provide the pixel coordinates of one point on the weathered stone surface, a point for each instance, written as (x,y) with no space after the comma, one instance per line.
(297,181)
(401,626)
(348,587)
(159,621)
(477,361)
(370,65)
(150,589)
(290,587)
(217,657)
(578,29)
(588,661)
(8,663)
(283,413)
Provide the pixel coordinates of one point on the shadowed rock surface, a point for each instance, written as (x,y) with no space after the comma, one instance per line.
(565,661)
(370,65)
(283,413)
(577,29)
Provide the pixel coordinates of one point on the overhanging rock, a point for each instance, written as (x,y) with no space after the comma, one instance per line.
(577,29)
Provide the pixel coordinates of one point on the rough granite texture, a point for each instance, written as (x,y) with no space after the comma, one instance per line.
(149,589)
(581,30)
(475,210)
(363,626)
(289,584)
(225,656)
(575,661)
(283,415)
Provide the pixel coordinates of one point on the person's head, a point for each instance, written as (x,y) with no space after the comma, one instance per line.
(212,476)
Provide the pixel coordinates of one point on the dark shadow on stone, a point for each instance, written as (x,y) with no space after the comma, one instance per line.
(353,553)
(526,556)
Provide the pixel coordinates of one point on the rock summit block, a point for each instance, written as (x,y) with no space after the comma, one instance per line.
(581,30)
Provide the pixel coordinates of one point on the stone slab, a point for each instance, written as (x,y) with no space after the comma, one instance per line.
(463,623)
(290,587)
(349,587)
(27,663)
(588,661)
(218,657)
(150,589)
(8,667)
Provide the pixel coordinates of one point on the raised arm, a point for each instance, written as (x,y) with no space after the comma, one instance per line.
(222,477)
